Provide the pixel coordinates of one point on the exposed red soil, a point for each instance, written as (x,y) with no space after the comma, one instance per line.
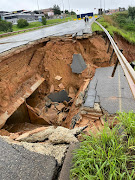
(128,49)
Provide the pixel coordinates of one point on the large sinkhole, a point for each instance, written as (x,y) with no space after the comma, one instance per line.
(63,64)
(43,88)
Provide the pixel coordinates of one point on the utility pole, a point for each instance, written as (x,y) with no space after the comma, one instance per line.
(63,9)
(38,5)
(104,6)
(69,8)
(100,6)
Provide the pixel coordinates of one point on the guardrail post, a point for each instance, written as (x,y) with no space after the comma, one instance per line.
(108,47)
(106,40)
(111,56)
(116,65)
(115,68)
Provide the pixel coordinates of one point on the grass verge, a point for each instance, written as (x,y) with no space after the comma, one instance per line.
(112,28)
(106,156)
(38,24)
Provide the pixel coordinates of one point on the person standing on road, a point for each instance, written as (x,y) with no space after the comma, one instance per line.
(85,19)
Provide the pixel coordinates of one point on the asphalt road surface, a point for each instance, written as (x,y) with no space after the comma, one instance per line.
(70,27)
(17,163)
(113,93)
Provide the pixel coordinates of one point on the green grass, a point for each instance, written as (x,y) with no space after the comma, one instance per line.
(96,27)
(38,24)
(128,35)
(31,25)
(105,156)
(128,120)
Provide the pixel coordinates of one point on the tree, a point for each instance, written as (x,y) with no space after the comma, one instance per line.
(131,12)
(36,12)
(5,26)
(73,13)
(22,23)
(43,20)
(66,11)
(46,16)
(56,9)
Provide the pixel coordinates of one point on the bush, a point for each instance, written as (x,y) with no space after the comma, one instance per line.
(43,20)
(22,23)
(5,26)
(131,12)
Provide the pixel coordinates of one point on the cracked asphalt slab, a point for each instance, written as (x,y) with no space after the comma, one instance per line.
(113,93)
(70,27)
(17,163)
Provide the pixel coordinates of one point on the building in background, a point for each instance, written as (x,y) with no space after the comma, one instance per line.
(49,12)
(122,9)
(3,12)
(28,15)
(111,11)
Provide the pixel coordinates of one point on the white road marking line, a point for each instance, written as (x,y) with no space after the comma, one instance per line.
(119,82)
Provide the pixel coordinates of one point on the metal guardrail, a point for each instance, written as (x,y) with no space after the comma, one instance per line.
(24,30)
(128,70)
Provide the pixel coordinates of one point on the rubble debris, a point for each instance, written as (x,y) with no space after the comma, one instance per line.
(39,134)
(92,94)
(77,131)
(52,88)
(71,93)
(78,64)
(61,86)
(60,106)
(51,116)
(62,135)
(54,135)
(58,78)
(59,96)
(61,118)
(35,118)
(80,99)
(80,33)
(48,102)
(14,136)
(74,120)
(97,107)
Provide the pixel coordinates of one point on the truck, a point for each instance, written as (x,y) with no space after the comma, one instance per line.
(83,15)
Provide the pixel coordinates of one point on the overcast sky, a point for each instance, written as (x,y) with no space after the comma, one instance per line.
(81,5)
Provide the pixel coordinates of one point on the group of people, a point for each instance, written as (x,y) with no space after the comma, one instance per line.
(86,19)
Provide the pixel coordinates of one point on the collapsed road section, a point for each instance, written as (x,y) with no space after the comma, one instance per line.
(42,91)
(29,76)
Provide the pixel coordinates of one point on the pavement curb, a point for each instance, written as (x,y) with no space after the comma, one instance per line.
(65,171)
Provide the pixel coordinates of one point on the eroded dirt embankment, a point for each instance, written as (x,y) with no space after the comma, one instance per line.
(128,49)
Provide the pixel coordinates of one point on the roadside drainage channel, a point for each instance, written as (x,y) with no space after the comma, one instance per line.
(49,114)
